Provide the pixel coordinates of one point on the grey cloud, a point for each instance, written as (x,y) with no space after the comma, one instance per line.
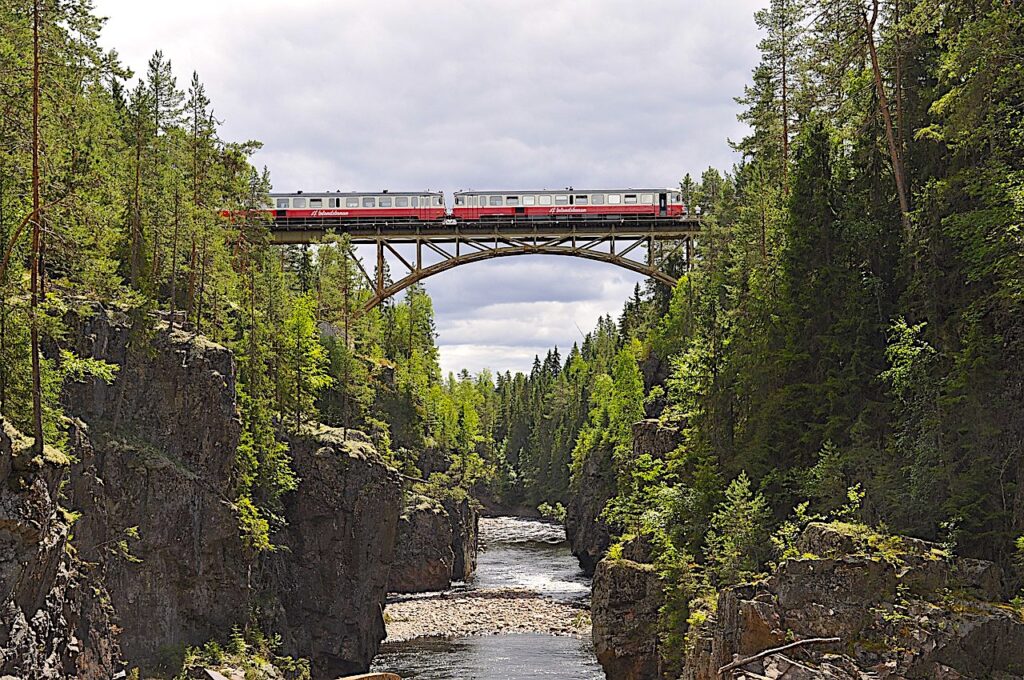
(486,94)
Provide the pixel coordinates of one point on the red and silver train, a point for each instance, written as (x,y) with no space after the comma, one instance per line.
(477,206)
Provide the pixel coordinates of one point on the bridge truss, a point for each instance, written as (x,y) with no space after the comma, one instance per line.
(640,245)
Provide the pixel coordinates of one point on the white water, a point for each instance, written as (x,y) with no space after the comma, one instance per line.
(515,552)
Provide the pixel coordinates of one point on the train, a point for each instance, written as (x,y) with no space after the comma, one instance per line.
(476,206)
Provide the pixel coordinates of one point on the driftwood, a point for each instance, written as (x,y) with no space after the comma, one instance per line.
(738,663)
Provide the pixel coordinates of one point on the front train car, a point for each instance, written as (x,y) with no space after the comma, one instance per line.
(569,204)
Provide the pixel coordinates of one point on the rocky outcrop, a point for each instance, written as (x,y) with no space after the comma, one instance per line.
(156,462)
(465,521)
(587,533)
(154,480)
(624,613)
(437,544)
(901,608)
(423,556)
(54,618)
(330,579)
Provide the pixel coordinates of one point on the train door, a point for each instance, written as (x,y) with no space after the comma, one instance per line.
(663,204)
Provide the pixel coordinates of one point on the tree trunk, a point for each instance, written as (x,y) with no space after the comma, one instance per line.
(174,259)
(37,388)
(895,154)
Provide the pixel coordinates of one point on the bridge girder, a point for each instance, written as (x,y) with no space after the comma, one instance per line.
(612,243)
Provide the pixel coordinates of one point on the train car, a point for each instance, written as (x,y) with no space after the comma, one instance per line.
(568,204)
(352,207)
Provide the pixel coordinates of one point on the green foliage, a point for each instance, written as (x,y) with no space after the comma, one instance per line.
(248,651)
(254,527)
(737,541)
(784,538)
(554,512)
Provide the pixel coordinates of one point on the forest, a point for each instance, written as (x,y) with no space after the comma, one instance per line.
(848,344)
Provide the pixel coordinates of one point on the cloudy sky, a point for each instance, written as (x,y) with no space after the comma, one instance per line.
(407,94)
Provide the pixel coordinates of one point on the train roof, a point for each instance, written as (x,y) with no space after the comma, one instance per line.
(565,191)
(385,192)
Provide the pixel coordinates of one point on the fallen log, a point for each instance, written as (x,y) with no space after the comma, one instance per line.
(738,663)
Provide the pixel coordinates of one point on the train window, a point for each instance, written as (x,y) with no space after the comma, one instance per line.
(351,202)
(460,200)
(597,199)
(415,200)
(545,199)
(494,200)
(614,199)
(282,203)
(630,199)
(401,201)
(529,200)
(369,202)
(384,202)
(438,201)
(677,198)
(511,200)
(561,199)
(316,203)
(333,202)
(582,200)
(298,203)
(647,199)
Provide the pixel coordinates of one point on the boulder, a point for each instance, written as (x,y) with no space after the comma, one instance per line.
(626,600)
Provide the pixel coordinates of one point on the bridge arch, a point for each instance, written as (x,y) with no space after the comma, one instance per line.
(617,242)
(418,274)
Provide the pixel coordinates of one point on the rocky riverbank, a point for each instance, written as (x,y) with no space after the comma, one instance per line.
(526,583)
(483,612)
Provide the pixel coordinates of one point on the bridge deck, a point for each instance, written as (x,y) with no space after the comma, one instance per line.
(312,231)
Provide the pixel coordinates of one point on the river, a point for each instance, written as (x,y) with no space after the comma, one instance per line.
(533,559)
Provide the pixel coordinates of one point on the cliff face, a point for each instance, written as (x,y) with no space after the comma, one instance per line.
(423,559)
(902,610)
(587,533)
(624,614)
(330,581)
(437,544)
(156,451)
(54,620)
(158,455)
(465,537)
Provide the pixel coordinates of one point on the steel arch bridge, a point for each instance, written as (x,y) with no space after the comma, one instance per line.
(435,248)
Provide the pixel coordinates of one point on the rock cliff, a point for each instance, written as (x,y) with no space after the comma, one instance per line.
(624,614)
(901,608)
(54,618)
(437,544)
(588,535)
(329,583)
(156,457)
(423,557)
(153,480)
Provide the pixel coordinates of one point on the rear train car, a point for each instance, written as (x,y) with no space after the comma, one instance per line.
(356,207)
